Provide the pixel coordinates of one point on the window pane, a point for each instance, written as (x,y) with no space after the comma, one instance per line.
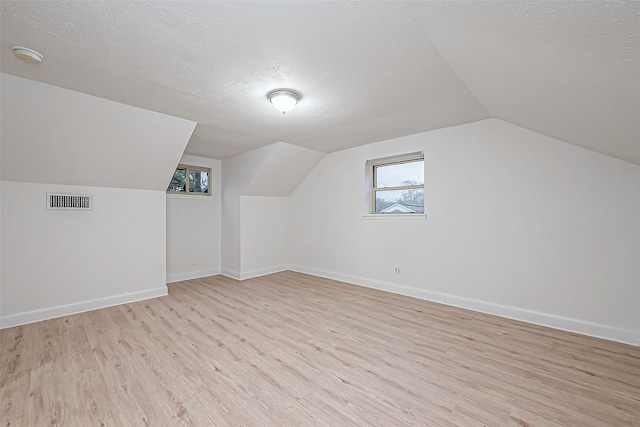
(198,181)
(400,201)
(399,174)
(178,181)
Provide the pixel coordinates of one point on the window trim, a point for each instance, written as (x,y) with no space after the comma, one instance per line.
(372,188)
(189,168)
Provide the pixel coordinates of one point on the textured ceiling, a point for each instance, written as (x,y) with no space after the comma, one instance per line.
(570,70)
(368,71)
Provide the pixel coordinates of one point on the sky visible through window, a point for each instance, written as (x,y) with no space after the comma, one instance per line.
(397,175)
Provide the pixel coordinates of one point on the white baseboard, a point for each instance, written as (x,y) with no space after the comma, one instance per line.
(196,274)
(262,272)
(79,307)
(538,318)
(232,274)
(244,275)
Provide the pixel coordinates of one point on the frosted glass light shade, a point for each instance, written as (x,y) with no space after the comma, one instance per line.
(284,100)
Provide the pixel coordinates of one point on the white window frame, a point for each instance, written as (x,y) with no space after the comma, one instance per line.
(189,168)
(370,177)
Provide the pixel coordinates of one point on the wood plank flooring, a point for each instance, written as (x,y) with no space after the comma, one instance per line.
(290,349)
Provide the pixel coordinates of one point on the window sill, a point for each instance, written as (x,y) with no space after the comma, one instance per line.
(394,216)
(182,194)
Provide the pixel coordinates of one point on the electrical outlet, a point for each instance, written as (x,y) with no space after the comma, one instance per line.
(397,270)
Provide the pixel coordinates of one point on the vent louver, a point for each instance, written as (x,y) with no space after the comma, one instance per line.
(76,202)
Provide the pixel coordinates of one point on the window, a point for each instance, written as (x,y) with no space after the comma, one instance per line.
(197,182)
(396,184)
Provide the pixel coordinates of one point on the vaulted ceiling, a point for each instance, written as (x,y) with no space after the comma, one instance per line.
(368,71)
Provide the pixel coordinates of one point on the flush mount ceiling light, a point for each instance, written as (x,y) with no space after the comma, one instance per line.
(284,100)
(27,54)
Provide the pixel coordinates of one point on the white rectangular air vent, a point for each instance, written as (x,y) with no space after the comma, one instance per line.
(74,202)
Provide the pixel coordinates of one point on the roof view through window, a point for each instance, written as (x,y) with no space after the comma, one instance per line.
(399,187)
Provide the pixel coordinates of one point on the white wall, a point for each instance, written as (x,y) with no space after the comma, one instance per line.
(253,184)
(57,262)
(61,262)
(518,224)
(262,235)
(193,228)
(237,171)
(0,212)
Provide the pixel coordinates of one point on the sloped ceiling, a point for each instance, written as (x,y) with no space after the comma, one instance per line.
(368,71)
(570,70)
(269,179)
(57,136)
(274,170)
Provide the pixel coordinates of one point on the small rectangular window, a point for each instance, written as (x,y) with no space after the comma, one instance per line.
(197,182)
(396,184)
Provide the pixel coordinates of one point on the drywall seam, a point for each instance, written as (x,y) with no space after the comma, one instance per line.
(79,307)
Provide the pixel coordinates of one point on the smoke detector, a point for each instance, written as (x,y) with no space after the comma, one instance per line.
(27,54)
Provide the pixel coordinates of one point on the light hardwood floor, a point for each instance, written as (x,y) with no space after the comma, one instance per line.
(292,350)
